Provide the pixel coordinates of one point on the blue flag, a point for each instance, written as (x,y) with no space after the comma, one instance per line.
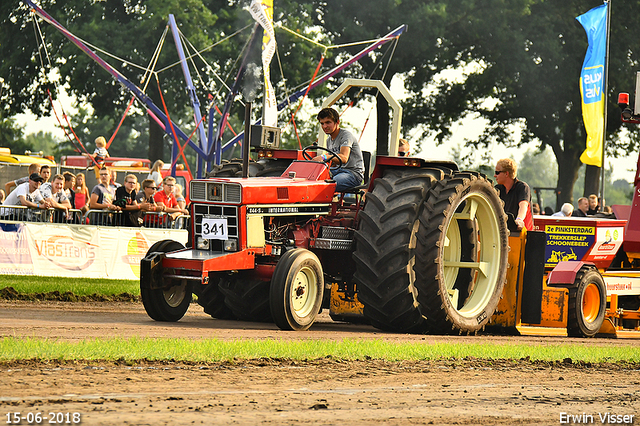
(592,79)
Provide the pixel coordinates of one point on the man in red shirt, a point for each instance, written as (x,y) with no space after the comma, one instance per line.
(167,199)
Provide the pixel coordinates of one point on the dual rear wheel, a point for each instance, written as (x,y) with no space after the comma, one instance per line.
(431,251)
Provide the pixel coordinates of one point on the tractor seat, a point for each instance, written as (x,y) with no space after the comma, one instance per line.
(366,157)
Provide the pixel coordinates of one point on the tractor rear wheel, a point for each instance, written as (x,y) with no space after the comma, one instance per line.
(233,168)
(587,304)
(228,168)
(462,251)
(296,291)
(246,296)
(385,248)
(170,300)
(272,167)
(212,300)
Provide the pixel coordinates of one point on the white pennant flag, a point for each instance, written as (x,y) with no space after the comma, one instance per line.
(262,12)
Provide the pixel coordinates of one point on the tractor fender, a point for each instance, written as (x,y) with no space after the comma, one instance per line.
(564,273)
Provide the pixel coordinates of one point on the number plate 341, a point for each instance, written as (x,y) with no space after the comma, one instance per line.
(214,229)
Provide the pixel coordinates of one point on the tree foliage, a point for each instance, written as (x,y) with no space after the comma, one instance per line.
(11,135)
(522,63)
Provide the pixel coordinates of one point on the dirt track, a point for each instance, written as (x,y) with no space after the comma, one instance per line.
(285,392)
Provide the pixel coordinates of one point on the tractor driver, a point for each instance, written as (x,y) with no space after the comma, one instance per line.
(515,194)
(345,145)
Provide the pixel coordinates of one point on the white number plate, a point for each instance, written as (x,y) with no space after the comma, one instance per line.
(214,229)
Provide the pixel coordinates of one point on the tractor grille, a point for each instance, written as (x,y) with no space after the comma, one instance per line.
(232,193)
(198,191)
(216,191)
(217,211)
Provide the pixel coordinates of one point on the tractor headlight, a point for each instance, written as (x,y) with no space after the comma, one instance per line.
(231,245)
(202,243)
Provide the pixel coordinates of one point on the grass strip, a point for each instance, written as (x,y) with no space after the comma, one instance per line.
(214,350)
(29,284)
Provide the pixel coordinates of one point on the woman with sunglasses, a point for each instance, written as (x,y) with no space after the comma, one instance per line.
(145,197)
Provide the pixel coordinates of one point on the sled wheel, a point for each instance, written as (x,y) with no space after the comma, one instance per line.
(463,250)
(385,252)
(170,301)
(246,296)
(587,304)
(296,290)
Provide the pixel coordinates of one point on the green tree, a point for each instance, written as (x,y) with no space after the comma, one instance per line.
(43,141)
(11,135)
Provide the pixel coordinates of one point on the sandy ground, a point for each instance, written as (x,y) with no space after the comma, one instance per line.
(327,391)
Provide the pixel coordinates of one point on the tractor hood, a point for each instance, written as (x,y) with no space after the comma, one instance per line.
(305,182)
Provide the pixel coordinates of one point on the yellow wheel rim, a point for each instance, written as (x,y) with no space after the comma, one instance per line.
(478,209)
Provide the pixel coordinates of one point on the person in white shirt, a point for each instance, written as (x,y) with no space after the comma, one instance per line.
(8,187)
(27,195)
(565,211)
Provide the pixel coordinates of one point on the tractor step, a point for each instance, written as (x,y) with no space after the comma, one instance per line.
(333,238)
(336,233)
(331,244)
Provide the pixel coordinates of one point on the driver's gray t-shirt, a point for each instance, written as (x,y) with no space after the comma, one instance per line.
(346,138)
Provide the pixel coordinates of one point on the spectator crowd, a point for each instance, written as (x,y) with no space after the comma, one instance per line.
(66,193)
(587,206)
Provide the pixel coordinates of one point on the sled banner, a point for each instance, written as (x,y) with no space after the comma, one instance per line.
(592,79)
(78,251)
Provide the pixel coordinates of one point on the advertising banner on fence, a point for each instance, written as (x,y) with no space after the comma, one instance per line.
(78,251)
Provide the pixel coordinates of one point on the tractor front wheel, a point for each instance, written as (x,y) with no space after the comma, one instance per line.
(296,290)
(587,304)
(164,299)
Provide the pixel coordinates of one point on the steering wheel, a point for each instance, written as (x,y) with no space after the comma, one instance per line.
(307,156)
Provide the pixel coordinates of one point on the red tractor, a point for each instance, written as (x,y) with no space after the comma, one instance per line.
(420,247)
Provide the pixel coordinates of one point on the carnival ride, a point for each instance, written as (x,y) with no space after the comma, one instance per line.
(210,144)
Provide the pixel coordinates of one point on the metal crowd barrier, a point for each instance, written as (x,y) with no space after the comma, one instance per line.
(27,214)
(163,220)
(159,220)
(182,222)
(104,218)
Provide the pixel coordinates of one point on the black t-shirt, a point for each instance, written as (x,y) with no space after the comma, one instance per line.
(124,198)
(519,192)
